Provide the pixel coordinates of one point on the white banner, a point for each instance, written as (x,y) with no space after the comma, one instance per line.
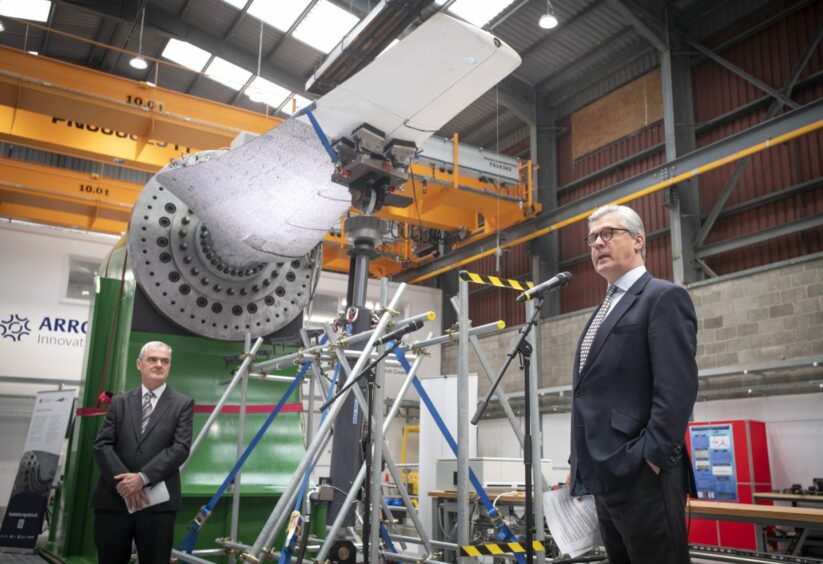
(23,521)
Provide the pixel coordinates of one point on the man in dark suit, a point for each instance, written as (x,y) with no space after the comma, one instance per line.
(145,437)
(635,383)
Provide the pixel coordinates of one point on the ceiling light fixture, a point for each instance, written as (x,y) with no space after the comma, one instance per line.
(139,62)
(549,19)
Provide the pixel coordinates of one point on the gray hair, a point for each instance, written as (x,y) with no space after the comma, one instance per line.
(631,221)
(150,345)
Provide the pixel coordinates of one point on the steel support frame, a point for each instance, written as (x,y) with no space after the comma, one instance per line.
(545,250)
(806,119)
(278,515)
(774,107)
(760,236)
(678,123)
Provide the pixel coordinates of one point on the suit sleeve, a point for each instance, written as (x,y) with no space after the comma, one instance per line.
(104,453)
(169,460)
(672,348)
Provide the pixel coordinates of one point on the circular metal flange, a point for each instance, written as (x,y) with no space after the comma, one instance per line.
(181,271)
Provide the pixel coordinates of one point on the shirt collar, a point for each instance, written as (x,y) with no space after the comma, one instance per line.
(627,280)
(158,391)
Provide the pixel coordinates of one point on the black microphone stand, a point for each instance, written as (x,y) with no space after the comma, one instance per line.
(523,348)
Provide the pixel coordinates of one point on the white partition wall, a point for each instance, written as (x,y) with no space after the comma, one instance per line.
(433,447)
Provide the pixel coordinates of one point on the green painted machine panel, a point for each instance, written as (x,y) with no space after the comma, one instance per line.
(199,370)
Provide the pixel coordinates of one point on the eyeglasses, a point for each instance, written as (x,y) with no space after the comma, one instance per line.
(605,235)
(162,360)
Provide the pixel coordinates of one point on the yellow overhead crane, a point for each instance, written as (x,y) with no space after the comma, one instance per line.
(76,111)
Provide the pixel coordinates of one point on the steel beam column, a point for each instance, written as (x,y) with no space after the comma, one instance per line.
(545,250)
(678,123)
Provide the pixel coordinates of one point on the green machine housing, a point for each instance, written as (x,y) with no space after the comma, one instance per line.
(121,321)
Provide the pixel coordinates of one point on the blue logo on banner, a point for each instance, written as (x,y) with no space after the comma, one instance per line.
(15,327)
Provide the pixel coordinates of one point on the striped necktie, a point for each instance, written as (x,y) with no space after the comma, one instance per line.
(147,409)
(596,323)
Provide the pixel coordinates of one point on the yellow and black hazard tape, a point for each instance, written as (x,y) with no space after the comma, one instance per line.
(500,548)
(495,281)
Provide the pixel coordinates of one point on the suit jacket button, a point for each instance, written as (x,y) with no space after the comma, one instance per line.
(577,394)
(139,452)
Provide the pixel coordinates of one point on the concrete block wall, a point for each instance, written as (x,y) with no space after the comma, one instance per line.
(769,313)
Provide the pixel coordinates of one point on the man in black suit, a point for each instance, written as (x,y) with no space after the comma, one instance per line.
(635,383)
(145,437)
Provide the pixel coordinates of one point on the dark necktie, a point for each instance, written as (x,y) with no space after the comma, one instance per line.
(147,409)
(588,339)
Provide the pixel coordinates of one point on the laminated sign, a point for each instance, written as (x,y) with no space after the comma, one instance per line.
(23,521)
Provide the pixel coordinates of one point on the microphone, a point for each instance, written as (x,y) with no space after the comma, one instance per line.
(557,281)
(398,333)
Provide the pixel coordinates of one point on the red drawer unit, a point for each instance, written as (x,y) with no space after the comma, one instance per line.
(730,460)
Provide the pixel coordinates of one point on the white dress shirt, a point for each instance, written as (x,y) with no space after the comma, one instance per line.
(624,283)
(158,391)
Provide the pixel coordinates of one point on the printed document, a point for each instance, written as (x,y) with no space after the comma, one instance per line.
(157,493)
(572,522)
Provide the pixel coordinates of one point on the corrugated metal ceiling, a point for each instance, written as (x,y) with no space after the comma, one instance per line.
(592,35)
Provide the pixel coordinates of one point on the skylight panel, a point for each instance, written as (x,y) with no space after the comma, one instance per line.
(278,14)
(35,10)
(324,26)
(294,103)
(186,54)
(227,74)
(478,13)
(266,92)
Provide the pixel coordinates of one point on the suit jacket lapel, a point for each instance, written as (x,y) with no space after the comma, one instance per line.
(162,404)
(611,320)
(135,404)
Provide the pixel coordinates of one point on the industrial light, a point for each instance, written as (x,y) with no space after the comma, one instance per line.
(549,19)
(139,62)
(2,27)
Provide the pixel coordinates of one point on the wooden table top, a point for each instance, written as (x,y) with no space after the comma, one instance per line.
(722,510)
(805,498)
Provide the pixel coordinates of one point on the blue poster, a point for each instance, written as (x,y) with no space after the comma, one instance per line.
(713,460)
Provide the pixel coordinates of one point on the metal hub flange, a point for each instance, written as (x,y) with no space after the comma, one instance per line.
(186,279)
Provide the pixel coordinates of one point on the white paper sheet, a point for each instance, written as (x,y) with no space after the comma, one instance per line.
(158,493)
(572,522)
